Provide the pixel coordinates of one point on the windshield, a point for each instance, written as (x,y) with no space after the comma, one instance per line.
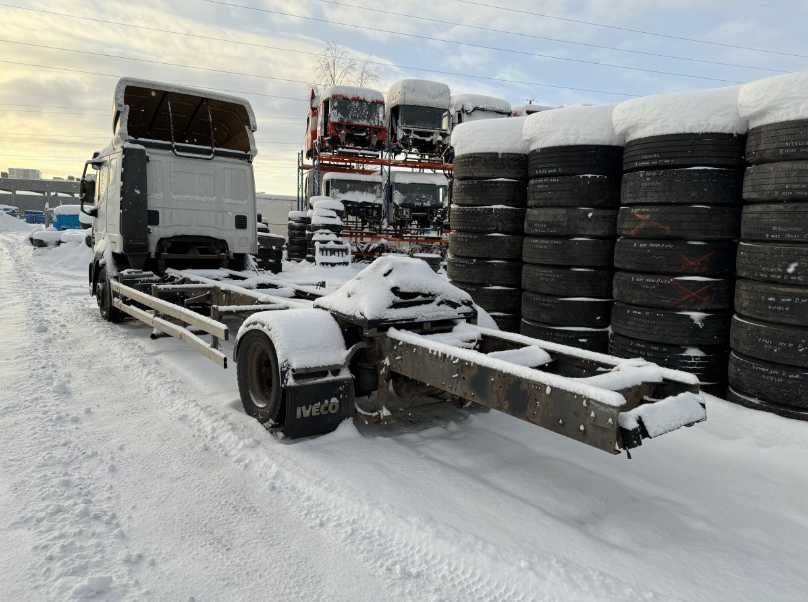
(421,117)
(356,110)
(358,191)
(419,195)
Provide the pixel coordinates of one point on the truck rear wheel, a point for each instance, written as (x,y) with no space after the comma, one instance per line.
(103,296)
(259,378)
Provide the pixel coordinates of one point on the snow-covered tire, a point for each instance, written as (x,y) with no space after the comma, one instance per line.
(784,181)
(480,193)
(103,297)
(595,339)
(487,166)
(485,246)
(670,327)
(680,257)
(776,343)
(573,252)
(786,264)
(768,382)
(690,293)
(566,311)
(570,221)
(682,187)
(574,160)
(682,222)
(598,191)
(684,150)
(783,141)
(772,302)
(708,363)
(484,272)
(505,220)
(494,298)
(259,378)
(567,282)
(775,222)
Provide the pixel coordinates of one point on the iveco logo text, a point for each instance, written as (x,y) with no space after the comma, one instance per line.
(316,409)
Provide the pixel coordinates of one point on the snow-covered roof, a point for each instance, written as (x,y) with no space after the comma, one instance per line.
(702,111)
(387,288)
(470,102)
(67,210)
(368,94)
(123,83)
(347,177)
(409,177)
(418,92)
(490,136)
(774,99)
(571,126)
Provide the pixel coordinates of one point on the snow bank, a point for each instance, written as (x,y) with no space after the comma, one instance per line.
(368,94)
(490,136)
(9,223)
(775,99)
(702,111)
(376,292)
(418,92)
(571,126)
(470,102)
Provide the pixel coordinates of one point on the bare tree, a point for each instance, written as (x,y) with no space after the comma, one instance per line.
(336,67)
(366,74)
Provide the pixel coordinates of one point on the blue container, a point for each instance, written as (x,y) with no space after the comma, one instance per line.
(66,222)
(34,217)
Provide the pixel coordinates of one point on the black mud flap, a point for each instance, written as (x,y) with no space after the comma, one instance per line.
(318,407)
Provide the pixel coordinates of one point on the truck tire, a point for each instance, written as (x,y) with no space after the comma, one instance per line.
(488,166)
(485,246)
(684,150)
(781,223)
(566,311)
(506,322)
(480,193)
(683,222)
(682,187)
(484,272)
(567,282)
(772,302)
(574,160)
(570,221)
(103,296)
(573,252)
(259,378)
(592,339)
(783,141)
(769,382)
(494,298)
(680,257)
(670,327)
(673,292)
(785,181)
(708,363)
(490,219)
(598,191)
(768,262)
(775,343)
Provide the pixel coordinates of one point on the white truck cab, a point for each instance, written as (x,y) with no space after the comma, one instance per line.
(175,186)
(473,107)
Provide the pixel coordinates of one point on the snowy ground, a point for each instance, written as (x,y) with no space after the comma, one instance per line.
(129,471)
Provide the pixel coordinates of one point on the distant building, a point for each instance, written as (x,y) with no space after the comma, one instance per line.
(274,210)
(21,173)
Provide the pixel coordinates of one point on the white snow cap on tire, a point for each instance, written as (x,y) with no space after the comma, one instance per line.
(570,126)
(703,111)
(775,99)
(490,136)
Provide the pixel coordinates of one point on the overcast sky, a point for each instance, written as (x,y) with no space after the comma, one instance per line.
(56,106)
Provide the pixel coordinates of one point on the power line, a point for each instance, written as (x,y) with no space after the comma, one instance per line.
(645,32)
(549,38)
(469,44)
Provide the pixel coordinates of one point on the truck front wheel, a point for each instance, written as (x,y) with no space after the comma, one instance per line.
(259,378)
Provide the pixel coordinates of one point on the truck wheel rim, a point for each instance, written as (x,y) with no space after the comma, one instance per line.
(261,377)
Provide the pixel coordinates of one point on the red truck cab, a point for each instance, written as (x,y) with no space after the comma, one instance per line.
(351,118)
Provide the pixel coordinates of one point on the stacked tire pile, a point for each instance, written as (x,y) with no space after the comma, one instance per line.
(486,217)
(674,260)
(768,366)
(324,224)
(296,243)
